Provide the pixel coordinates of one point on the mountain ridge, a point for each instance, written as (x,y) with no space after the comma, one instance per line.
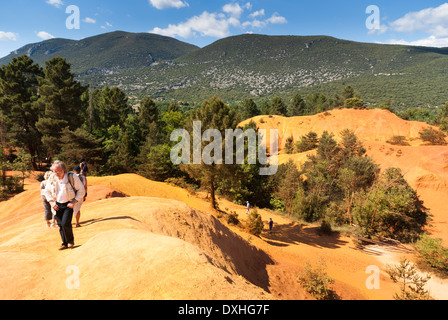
(253,66)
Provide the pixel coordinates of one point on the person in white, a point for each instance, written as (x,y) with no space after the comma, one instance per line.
(77,208)
(63,190)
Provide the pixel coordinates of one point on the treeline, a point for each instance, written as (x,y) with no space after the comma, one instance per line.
(301,106)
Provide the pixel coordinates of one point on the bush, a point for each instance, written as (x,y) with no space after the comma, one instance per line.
(335,214)
(325,227)
(317,282)
(398,141)
(433,253)
(255,224)
(232,218)
(433,137)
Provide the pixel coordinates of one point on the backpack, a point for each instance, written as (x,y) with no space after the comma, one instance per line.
(71,180)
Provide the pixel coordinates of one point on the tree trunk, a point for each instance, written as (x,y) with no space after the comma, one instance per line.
(212,191)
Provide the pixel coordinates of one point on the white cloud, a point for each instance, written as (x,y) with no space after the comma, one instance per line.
(382,29)
(45,35)
(258,13)
(431,20)
(7,36)
(89,20)
(431,41)
(108,25)
(56,3)
(164,4)
(218,24)
(234,9)
(259,24)
(207,24)
(277,19)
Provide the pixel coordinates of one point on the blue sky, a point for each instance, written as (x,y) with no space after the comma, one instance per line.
(202,22)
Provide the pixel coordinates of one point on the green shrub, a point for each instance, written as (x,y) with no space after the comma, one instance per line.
(398,141)
(316,282)
(433,137)
(412,285)
(433,253)
(255,224)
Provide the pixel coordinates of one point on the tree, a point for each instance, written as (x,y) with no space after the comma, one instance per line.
(391,209)
(158,166)
(289,185)
(112,108)
(61,103)
(213,114)
(317,102)
(308,142)
(278,107)
(297,106)
(149,113)
(118,150)
(354,103)
(22,164)
(348,93)
(250,109)
(18,113)
(412,285)
(289,145)
(79,144)
(442,118)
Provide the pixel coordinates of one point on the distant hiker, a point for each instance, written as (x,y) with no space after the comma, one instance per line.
(48,214)
(77,207)
(63,190)
(84,167)
(248,207)
(271,225)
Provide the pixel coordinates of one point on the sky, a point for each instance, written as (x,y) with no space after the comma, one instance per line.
(201,22)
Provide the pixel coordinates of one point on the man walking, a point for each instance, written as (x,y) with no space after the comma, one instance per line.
(63,190)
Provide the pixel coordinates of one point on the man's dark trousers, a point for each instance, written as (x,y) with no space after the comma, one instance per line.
(64,218)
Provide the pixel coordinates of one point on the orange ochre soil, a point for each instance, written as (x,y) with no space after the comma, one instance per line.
(141,239)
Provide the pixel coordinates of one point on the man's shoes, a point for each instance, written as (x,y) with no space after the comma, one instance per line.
(63,247)
(71,245)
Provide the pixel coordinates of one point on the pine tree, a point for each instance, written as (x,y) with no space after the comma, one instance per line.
(297,107)
(149,114)
(79,144)
(61,103)
(213,114)
(250,109)
(18,113)
(412,285)
(113,108)
(278,107)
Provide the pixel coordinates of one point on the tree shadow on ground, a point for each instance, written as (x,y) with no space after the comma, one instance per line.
(93,221)
(295,234)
